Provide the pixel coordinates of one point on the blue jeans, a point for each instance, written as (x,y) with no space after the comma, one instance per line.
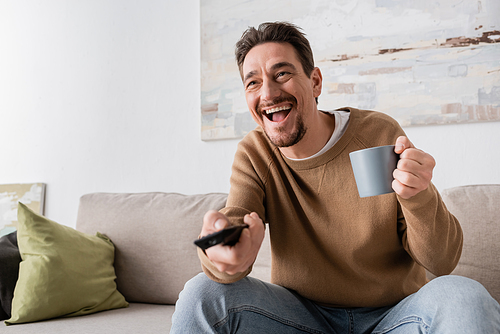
(449,304)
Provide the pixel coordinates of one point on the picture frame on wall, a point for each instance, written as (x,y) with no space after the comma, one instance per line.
(30,194)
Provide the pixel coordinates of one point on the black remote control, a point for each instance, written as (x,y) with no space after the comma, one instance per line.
(228,236)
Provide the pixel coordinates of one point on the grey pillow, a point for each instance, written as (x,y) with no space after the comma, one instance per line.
(9,271)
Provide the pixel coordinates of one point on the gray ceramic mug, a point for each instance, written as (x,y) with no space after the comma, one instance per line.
(373,168)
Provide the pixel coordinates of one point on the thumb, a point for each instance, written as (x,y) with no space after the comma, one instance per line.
(402,143)
(213,221)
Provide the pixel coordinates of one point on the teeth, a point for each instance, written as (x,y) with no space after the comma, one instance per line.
(273,110)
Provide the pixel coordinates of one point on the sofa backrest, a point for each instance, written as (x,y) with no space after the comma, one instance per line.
(477,208)
(153,234)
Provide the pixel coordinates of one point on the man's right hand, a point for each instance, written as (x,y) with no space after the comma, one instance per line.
(237,258)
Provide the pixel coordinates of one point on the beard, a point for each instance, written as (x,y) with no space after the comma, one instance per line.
(285,139)
(282,138)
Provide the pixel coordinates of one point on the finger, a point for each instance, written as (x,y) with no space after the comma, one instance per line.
(240,267)
(229,259)
(407,179)
(402,190)
(227,268)
(419,156)
(411,178)
(409,165)
(257,229)
(253,220)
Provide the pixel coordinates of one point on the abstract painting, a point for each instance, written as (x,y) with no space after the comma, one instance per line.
(30,194)
(422,62)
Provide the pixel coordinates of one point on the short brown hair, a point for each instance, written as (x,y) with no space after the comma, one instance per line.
(279,32)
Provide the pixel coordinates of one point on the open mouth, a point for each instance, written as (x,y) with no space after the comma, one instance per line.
(278,114)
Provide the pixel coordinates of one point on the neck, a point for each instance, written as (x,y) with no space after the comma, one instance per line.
(318,133)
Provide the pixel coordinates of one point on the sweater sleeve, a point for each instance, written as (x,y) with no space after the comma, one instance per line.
(431,234)
(245,196)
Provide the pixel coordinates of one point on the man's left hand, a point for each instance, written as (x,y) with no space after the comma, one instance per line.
(414,170)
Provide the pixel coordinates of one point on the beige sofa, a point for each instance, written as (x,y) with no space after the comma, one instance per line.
(153,234)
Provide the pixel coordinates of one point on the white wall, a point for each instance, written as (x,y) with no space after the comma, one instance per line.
(104,96)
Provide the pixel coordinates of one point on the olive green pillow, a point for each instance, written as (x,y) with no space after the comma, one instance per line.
(63,272)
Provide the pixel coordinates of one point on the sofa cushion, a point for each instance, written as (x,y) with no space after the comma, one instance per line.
(9,264)
(477,208)
(63,272)
(153,234)
(138,318)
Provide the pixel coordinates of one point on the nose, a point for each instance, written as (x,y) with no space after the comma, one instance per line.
(270,90)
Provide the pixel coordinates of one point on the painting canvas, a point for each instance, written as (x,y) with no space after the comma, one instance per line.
(422,62)
(31,194)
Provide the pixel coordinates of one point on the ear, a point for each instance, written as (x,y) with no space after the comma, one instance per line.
(317,81)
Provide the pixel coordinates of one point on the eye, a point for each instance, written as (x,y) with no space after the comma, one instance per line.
(282,74)
(250,84)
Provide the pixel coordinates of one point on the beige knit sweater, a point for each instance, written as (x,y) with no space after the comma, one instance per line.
(328,244)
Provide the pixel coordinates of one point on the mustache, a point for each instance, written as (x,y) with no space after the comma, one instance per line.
(278,100)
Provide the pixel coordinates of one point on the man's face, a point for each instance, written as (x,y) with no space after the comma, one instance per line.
(279,94)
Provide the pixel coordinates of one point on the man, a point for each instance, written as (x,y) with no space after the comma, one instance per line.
(340,263)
